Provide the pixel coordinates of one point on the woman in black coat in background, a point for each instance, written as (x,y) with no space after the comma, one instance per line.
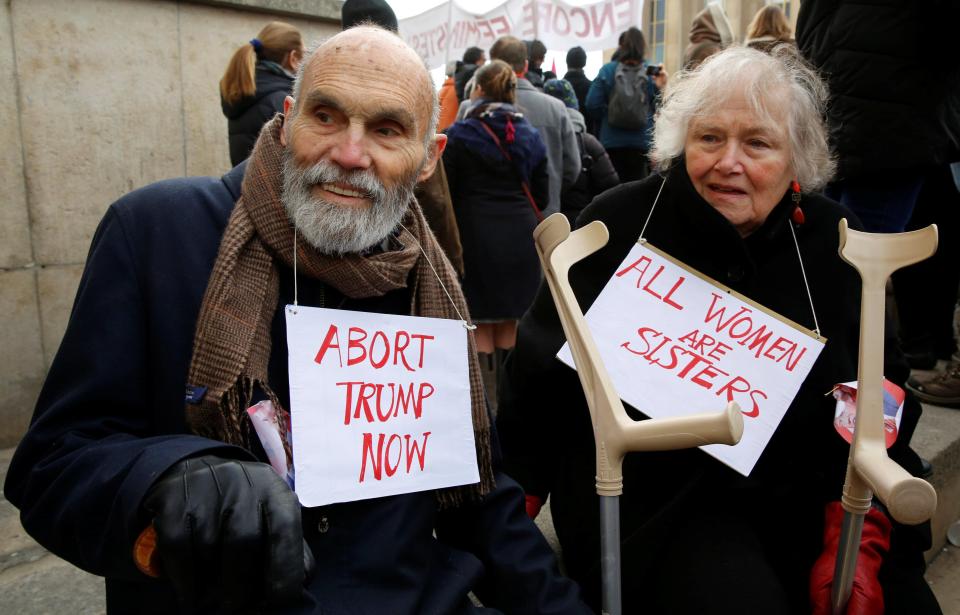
(496,167)
(259,76)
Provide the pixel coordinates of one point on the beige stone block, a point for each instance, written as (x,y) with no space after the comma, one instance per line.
(329,9)
(56,289)
(14,224)
(101,111)
(21,362)
(206,52)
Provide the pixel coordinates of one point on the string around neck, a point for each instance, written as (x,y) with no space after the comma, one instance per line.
(803,272)
(466,325)
(643,230)
(295,289)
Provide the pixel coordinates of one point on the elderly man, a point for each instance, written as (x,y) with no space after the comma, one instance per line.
(548,116)
(182,288)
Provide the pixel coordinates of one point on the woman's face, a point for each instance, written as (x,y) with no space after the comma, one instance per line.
(739,162)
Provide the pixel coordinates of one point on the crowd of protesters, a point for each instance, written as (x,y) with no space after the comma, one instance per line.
(751,154)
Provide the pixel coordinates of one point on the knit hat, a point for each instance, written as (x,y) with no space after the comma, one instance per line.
(576,57)
(379,12)
(562,89)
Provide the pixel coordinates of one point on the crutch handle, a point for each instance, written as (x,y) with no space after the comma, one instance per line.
(875,256)
(909,499)
(665,434)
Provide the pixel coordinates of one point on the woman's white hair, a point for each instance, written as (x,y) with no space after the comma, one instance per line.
(778,82)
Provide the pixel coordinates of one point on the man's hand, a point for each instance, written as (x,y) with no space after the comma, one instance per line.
(228,534)
(866,596)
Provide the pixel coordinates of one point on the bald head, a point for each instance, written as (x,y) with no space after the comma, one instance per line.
(382,58)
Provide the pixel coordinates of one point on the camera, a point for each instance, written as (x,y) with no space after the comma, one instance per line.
(653,71)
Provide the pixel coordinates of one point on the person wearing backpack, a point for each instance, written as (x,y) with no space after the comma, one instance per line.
(624,97)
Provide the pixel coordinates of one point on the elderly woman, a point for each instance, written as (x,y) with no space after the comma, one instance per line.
(732,141)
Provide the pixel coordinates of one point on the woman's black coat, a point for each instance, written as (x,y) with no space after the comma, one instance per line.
(545,427)
(247,116)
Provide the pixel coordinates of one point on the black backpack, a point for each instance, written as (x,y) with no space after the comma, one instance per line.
(631,99)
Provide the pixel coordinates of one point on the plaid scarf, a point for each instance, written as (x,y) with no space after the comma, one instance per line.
(232,344)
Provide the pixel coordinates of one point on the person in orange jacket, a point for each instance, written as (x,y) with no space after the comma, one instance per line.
(448,97)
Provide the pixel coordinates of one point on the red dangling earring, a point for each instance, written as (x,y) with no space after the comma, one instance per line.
(797,215)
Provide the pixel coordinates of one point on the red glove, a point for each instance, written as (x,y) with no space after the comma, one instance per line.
(866,596)
(533,504)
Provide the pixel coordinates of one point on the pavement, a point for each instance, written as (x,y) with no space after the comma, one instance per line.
(33,581)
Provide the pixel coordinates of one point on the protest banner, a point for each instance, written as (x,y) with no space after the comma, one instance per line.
(380,404)
(676,343)
(444,32)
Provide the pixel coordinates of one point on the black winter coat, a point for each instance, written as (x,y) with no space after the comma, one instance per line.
(545,426)
(110,420)
(495,220)
(596,175)
(247,116)
(581,85)
(461,78)
(889,65)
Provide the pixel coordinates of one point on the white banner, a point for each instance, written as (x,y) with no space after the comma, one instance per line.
(443,33)
(676,343)
(380,404)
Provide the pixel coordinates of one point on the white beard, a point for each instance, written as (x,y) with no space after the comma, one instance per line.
(334,229)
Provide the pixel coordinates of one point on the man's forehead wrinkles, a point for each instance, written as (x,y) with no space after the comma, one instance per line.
(369,107)
(384,71)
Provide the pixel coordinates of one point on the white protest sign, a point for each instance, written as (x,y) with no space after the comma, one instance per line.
(676,343)
(380,404)
(444,32)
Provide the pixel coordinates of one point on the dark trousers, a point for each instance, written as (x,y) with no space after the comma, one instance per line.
(884,202)
(927,292)
(631,163)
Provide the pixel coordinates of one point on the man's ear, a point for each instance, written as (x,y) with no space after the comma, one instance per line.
(288,104)
(433,157)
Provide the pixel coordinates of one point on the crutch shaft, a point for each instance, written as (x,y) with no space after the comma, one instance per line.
(610,553)
(849,548)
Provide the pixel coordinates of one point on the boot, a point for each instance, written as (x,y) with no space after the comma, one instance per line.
(488,373)
(941,389)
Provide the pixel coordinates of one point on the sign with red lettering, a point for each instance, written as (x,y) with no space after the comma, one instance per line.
(380,404)
(444,32)
(677,343)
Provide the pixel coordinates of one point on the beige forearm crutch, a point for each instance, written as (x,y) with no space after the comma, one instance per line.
(870,471)
(614,433)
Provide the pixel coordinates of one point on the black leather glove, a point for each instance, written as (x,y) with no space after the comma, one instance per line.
(228,534)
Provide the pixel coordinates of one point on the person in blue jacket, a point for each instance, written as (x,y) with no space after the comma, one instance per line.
(626,124)
(182,292)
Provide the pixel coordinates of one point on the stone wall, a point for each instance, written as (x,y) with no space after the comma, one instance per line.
(101,97)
